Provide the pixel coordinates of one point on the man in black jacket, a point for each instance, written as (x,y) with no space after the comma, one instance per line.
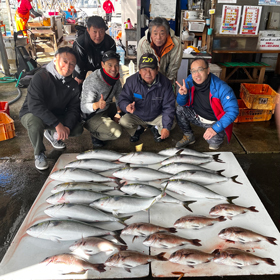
(90,47)
(52,103)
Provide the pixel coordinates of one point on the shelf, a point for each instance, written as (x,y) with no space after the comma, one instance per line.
(234,36)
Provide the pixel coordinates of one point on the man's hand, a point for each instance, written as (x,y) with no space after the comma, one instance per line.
(182,88)
(164,133)
(62,131)
(101,102)
(209,133)
(130,108)
(79,81)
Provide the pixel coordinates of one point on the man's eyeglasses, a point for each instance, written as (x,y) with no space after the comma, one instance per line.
(199,70)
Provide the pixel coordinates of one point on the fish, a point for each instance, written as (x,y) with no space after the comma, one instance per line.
(100,154)
(145,229)
(82,213)
(176,167)
(190,257)
(197,222)
(183,151)
(203,177)
(239,258)
(68,263)
(79,175)
(230,210)
(67,230)
(190,159)
(129,259)
(86,186)
(168,240)
(125,204)
(142,158)
(140,174)
(97,165)
(75,196)
(93,245)
(238,234)
(194,190)
(144,190)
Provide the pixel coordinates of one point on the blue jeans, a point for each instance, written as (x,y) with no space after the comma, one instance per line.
(187,115)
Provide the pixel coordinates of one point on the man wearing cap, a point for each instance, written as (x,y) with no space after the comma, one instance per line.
(148,100)
(90,47)
(161,41)
(100,113)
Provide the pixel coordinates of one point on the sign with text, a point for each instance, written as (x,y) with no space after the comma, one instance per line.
(269,40)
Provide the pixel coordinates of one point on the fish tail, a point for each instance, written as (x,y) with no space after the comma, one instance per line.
(99,267)
(231,198)
(122,247)
(215,157)
(222,218)
(219,172)
(233,179)
(123,219)
(172,229)
(269,261)
(195,242)
(187,203)
(116,234)
(179,273)
(157,198)
(253,209)
(271,240)
(118,182)
(161,257)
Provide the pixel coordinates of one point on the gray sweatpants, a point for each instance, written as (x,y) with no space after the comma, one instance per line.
(35,128)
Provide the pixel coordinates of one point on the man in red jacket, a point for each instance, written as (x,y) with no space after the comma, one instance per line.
(108,8)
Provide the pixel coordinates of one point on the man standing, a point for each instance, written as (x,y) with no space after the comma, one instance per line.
(205,101)
(90,47)
(148,100)
(99,88)
(52,103)
(108,7)
(161,41)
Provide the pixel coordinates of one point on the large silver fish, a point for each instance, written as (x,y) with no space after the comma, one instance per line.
(239,258)
(142,158)
(190,159)
(100,154)
(197,222)
(230,210)
(167,240)
(140,174)
(94,164)
(79,175)
(194,190)
(66,230)
(68,263)
(93,245)
(203,177)
(86,186)
(183,151)
(190,257)
(238,234)
(176,167)
(75,196)
(81,212)
(129,259)
(125,204)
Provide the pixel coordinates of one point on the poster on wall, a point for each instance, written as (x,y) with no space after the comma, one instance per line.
(269,2)
(250,20)
(230,19)
(269,40)
(227,1)
(161,8)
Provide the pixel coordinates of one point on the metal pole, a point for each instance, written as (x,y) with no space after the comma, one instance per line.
(10,17)
(138,31)
(4,56)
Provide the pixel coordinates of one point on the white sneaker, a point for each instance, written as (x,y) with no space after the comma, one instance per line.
(57,144)
(41,162)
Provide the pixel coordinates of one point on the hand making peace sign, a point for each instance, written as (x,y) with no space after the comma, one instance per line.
(182,88)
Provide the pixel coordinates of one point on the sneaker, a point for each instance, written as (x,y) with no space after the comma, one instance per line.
(57,144)
(41,162)
(96,142)
(137,134)
(157,136)
(214,146)
(186,140)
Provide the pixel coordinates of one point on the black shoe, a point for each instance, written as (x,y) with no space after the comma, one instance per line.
(157,136)
(137,134)
(97,143)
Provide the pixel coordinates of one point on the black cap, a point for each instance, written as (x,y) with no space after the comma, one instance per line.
(110,55)
(148,60)
(97,22)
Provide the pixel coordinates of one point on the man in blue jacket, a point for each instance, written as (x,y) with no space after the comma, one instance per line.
(148,100)
(205,100)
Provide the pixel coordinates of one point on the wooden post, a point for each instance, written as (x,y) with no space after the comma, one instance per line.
(4,57)
(10,16)
(212,22)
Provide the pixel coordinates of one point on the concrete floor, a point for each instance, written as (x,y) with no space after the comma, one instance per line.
(255,146)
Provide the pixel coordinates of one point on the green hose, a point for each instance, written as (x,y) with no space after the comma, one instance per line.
(5,80)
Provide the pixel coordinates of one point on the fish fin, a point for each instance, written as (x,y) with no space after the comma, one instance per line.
(269,261)
(221,219)
(271,240)
(56,239)
(75,273)
(233,179)
(172,229)
(215,157)
(179,152)
(127,269)
(187,203)
(191,266)
(230,241)
(117,236)
(215,251)
(195,242)
(122,247)
(161,257)
(100,267)
(135,237)
(123,219)
(231,198)
(179,273)
(219,172)
(253,209)
(239,267)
